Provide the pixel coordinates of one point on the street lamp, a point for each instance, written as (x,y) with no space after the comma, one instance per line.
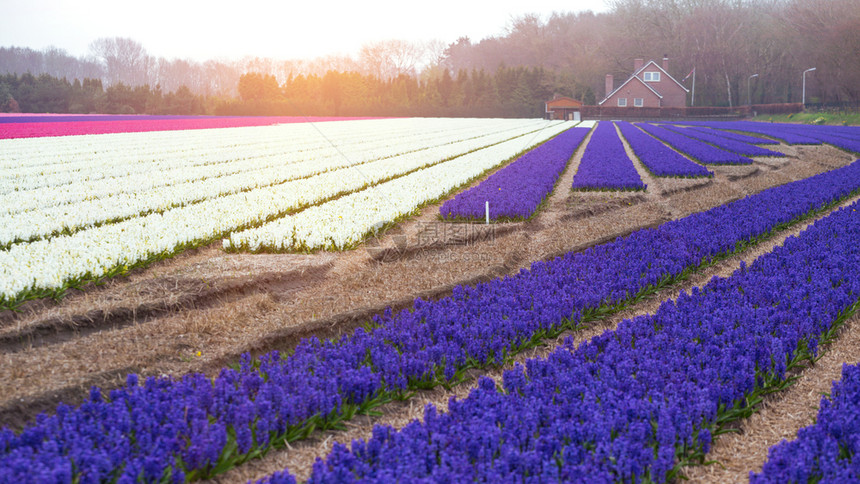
(748,88)
(803,101)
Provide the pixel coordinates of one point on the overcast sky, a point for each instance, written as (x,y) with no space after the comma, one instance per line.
(284,29)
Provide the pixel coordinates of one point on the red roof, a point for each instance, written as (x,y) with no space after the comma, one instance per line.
(563,102)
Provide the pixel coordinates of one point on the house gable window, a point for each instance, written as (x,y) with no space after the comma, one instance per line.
(622,101)
(651,77)
(638,102)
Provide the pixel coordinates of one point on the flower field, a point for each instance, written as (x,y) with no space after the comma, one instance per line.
(735,136)
(41,126)
(844,137)
(694,148)
(342,223)
(631,403)
(740,147)
(784,133)
(605,165)
(60,242)
(641,306)
(657,157)
(516,191)
(412,348)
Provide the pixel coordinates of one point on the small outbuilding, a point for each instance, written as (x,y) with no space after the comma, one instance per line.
(563,107)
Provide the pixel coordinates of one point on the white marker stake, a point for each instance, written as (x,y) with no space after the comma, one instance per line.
(487,211)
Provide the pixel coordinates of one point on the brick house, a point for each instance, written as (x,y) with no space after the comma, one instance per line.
(650,86)
(563,107)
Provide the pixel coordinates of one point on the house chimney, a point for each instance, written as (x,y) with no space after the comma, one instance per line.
(666,62)
(610,85)
(637,64)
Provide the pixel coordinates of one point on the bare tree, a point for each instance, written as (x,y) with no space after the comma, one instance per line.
(434,52)
(339,63)
(222,78)
(173,74)
(391,58)
(124,60)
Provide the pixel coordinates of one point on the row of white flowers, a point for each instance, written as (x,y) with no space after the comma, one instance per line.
(119,155)
(91,253)
(41,153)
(42,222)
(346,221)
(108,172)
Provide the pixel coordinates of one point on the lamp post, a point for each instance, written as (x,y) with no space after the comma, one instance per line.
(803,101)
(749,102)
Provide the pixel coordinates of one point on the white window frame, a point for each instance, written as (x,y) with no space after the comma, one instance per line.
(651,77)
(638,102)
(622,102)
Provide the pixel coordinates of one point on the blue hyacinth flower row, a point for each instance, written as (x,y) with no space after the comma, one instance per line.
(735,136)
(852,145)
(630,404)
(827,450)
(605,164)
(844,137)
(657,157)
(177,428)
(695,149)
(734,146)
(850,132)
(516,191)
(779,131)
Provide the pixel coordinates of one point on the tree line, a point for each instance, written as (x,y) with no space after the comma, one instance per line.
(48,94)
(742,50)
(507,92)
